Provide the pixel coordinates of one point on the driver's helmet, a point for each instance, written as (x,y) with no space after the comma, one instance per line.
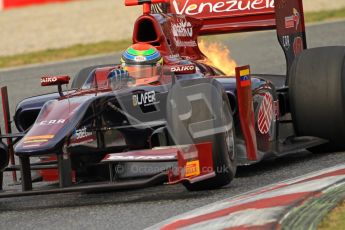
(142,61)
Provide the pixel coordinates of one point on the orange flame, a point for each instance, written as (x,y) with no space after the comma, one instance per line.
(219,56)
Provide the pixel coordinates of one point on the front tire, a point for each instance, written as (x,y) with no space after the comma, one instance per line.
(223,142)
(224,156)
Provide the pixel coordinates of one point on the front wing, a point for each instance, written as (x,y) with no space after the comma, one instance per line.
(190,164)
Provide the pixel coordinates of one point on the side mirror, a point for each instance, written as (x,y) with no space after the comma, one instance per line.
(55,80)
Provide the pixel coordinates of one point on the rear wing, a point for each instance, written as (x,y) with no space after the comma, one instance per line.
(229,16)
(226,16)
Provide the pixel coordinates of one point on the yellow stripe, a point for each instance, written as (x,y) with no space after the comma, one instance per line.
(39,137)
(36,141)
(244,72)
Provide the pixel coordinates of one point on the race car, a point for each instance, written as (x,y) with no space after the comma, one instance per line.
(164,115)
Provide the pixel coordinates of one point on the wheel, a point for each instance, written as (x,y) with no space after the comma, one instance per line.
(83,74)
(317,95)
(224,156)
(223,150)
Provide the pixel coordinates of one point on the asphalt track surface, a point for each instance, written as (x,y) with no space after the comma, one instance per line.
(138,209)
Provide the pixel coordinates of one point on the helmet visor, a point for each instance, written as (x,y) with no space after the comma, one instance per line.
(143,71)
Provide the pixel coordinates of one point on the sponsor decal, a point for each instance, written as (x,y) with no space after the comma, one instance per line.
(293,20)
(82,133)
(182,31)
(174,56)
(52,122)
(182,28)
(192,8)
(286,42)
(180,43)
(145,99)
(53,80)
(48,79)
(140,58)
(82,136)
(245,78)
(276,108)
(183,69)
(38,139)
(289,22)
(297,46)
(192,168)
(266,113)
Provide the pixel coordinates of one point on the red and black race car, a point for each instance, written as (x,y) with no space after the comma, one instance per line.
(177,118)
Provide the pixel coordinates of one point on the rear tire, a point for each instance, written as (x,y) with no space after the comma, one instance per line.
(317,95)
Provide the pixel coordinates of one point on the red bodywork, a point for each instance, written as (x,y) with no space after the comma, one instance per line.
(245,106)
(194,165)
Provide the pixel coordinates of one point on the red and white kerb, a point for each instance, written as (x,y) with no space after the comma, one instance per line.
(266,113)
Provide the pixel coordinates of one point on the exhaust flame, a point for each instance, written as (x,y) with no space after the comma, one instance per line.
(219,56)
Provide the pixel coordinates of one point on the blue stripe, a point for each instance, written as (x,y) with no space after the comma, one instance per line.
(153,56)
(245,78)
(129,56)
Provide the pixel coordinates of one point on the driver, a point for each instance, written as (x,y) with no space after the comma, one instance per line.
(140,64)
(142,61)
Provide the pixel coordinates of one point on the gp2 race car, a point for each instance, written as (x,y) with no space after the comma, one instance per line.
(190,123)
